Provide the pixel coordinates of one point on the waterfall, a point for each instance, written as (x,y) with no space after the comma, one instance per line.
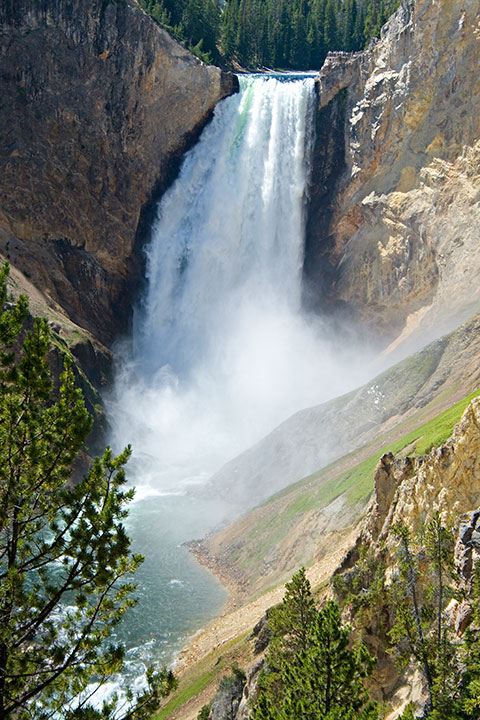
(221,352)
(231,227)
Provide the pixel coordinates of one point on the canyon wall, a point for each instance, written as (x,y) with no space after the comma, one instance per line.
(412,490)
(397,248)
(97,105)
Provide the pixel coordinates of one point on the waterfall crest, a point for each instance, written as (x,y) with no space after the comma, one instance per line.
(230,227)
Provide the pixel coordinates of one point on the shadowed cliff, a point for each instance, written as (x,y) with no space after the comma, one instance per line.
(98,104)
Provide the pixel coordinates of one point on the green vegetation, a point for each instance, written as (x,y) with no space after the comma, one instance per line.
(65,561)
(315,669)
(196,23)
(419,630)
(298,34)
(203,674)
(413,615)
(185,694)
(290,623)
(204,713)
(357,482)
(438,430)
(312,670)
(273,33)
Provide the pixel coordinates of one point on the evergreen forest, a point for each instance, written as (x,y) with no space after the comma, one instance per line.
(278,34)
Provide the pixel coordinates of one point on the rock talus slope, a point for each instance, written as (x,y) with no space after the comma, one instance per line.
(98,103)
(402,241)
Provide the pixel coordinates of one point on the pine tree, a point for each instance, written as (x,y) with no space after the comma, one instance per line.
(371,14)
(330,27)
(350,18)
(299,51)
(470,684)
(419,601)
(323,681)
(65,561)
(359,28)
(229,29)
(312,672)
(408,633)
(316,20)
(278,33)
(290,623)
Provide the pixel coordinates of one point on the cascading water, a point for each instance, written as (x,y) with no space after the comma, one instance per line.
(221,352)
(216,337)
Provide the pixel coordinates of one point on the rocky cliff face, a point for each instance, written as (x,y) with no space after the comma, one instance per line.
(445,481)
(401,240)
(98,103)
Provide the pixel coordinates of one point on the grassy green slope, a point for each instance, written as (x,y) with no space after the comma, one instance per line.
(198,685)
(357,483)
(295,526)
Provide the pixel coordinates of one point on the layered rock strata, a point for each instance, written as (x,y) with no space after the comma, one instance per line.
(98,104)
(402,237)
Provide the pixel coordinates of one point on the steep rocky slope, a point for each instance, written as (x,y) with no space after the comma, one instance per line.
(92,361)
(98,103)
(412,490)
(394,243)
(316,436)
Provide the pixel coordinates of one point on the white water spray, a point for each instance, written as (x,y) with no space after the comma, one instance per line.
(221,351)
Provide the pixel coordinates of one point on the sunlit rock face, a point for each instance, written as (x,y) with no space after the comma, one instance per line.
(447,481)
(402,240)
(97,105)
